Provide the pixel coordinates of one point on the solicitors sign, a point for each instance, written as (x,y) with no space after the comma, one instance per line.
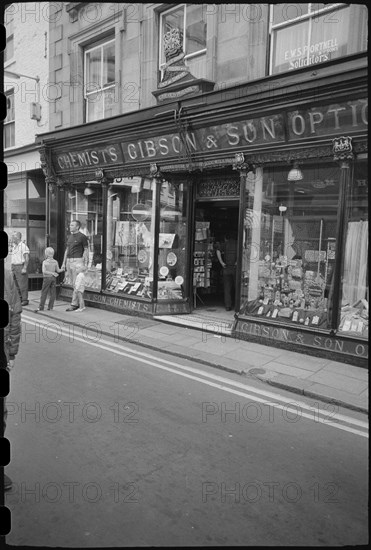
(285,127)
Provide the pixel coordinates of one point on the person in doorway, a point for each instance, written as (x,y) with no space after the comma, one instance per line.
(50,269)
(20,255)
(12,337)
(77,303)
(227,256)
(77,252)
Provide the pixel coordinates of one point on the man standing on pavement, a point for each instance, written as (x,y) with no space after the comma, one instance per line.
(12,336)
(227,256)
(77,252)
(19,263)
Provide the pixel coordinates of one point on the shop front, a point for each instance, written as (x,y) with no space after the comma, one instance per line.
(155,194)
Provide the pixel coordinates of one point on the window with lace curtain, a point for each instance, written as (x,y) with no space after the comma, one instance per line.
(190,19)
(309,34)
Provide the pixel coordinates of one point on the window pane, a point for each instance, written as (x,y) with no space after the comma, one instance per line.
(9,107)
(109,101)
(108,64)
(316,7)
(88,210)
(94,106)
(172,242)
(289,239)
(336,33)
(130,230)
(197,65)
(15,208)
(286,12)
(196,29)
(354,303)
(36,221)
(9,50)
(93,70)
(331,35)
(9,138)
(171,20)
(290,47)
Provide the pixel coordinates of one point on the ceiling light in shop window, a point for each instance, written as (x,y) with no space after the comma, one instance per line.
(295,173)
(88,190)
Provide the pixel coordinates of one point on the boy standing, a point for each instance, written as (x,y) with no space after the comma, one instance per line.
(78,290)
(50,269)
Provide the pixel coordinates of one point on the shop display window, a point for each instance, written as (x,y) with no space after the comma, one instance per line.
(84,203)
(172,245)
(130,237)
(355,292)
(289,240)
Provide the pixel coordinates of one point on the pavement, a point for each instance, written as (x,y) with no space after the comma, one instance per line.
(325,380)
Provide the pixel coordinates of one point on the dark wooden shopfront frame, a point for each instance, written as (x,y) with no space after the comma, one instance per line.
(342,81)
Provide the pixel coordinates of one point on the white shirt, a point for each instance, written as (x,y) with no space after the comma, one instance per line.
(18,252)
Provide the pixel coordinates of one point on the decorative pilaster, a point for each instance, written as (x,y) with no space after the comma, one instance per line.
(343,154)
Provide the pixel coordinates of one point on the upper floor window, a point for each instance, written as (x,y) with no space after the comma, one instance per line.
(190,20)
(9,124)
(99,89)
(309,34)
(9,24)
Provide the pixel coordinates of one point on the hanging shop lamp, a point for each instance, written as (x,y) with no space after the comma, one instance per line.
(295,173)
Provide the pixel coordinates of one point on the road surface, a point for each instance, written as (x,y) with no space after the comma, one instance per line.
(113,445)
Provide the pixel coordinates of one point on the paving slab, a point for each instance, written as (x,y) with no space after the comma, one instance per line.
(339,382)
(250,358)
(346,370)
(288,369)
(300,359)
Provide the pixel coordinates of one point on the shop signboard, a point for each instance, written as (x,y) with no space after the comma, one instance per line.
(84,157)
(328,120)
(314,340)
(112,302)
(290,126)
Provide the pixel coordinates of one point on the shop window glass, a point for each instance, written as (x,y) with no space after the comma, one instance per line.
(100,86)
(309,34)
(84,204)
(36,221)
(190,19)
(289,240)
(15,209)
(172,246)
(130,237)
(355,292)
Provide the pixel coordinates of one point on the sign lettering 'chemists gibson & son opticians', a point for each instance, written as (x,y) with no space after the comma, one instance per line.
(336,118)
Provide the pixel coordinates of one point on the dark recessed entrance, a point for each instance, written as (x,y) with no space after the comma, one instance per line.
(213,219)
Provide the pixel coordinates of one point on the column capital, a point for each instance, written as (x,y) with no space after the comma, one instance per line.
(240,164)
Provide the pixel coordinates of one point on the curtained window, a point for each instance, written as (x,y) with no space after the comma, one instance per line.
(309,34)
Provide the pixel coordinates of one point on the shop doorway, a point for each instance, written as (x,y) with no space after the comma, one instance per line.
(213,219)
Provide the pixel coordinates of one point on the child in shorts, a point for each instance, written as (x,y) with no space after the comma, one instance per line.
(50,270)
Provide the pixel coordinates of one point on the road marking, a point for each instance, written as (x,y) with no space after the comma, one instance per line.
(220,381)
